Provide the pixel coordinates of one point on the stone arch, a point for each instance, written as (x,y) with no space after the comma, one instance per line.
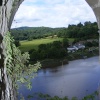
(95,5)
(8,8)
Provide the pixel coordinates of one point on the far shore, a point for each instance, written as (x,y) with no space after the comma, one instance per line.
(51,63)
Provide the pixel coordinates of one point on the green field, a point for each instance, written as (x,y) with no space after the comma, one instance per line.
(28,45)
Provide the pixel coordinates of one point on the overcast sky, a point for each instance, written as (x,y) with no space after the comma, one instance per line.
(52,13)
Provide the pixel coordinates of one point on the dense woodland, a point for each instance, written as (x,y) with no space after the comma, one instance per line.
(87,30)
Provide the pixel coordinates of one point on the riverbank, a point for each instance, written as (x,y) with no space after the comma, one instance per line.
(50,63)
(83,54)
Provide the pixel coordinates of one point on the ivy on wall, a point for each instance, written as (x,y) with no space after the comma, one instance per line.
(17,64)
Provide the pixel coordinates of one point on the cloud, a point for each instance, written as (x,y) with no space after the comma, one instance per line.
(55,13)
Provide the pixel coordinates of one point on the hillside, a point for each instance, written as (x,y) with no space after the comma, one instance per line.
(29,33)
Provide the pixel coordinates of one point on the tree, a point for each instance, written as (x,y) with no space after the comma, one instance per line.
(88,44)
(88,23)
(34,55)
(56,44)
(80,24)
(41,47)
(65,43)
(17,43)
(95,43)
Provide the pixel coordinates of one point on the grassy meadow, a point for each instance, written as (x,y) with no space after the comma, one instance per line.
(28,45)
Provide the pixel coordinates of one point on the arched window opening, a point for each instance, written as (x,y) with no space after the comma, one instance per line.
(63,80)
(74,18)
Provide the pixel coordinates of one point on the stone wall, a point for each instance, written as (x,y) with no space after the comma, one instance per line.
(8,9)
(95,5)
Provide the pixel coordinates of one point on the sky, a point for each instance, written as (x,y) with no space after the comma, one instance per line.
(52,13)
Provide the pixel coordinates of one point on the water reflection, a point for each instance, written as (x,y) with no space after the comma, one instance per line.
(78,78)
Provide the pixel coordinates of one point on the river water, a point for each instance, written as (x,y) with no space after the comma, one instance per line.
(78,78)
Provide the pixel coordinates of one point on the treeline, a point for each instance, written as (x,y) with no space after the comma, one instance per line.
(80,31)
(55,50)
(29,33)
(87,31)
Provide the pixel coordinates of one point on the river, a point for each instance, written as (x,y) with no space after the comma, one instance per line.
(78,78)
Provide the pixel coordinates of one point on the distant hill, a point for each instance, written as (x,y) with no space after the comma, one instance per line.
(24,33)
(20,28)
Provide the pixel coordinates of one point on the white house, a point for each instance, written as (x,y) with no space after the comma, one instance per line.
(80,46)
(75,47)
(72,49)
